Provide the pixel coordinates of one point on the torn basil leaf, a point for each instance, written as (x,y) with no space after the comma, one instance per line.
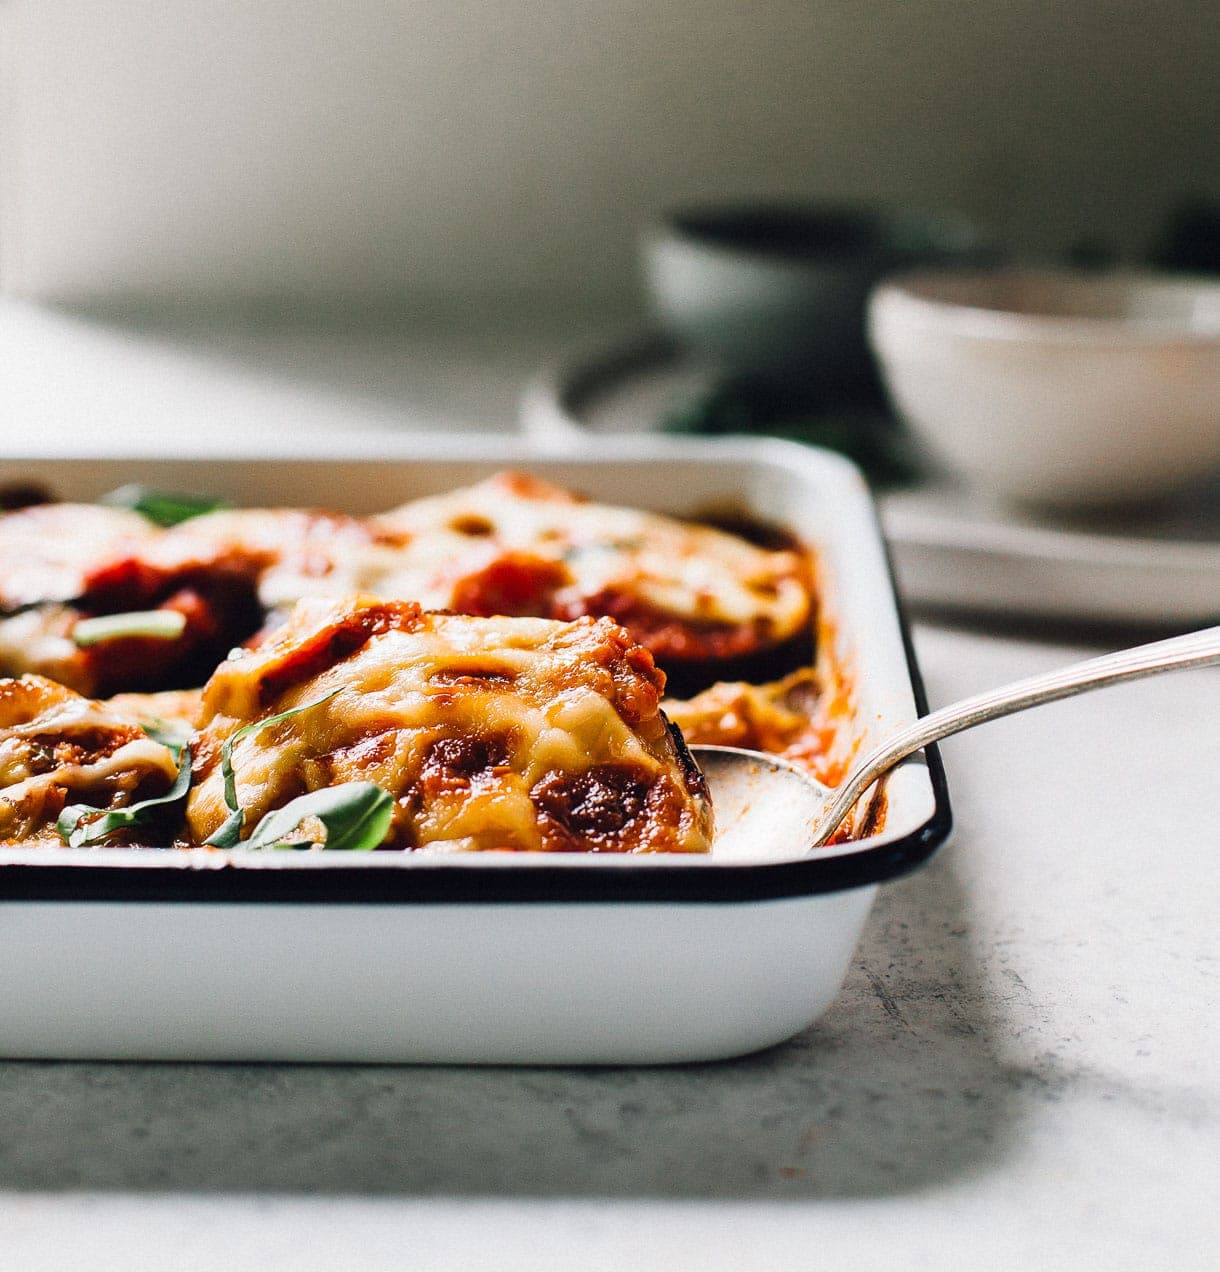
(158,624)
(356,816)
(172,734)
(229,833)
(161,507)
(83,826)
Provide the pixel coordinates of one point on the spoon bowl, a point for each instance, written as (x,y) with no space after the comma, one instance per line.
(762,802)
(763,799)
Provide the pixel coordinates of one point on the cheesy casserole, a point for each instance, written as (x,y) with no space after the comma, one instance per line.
(482,669)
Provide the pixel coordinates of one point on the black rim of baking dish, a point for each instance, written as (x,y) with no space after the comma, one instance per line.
(173,875)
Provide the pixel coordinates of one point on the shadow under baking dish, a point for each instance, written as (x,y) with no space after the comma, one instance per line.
(478,958)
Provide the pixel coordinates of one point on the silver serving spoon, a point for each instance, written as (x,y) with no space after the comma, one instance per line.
(763,798)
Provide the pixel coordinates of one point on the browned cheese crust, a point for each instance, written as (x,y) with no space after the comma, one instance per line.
(489,733)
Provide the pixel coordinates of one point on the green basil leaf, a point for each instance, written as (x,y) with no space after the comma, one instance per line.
(229,833)
(160,624)
(172,734)
(80,825)
(356,816)
(159,506)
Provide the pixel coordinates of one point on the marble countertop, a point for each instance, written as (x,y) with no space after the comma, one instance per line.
(1020,1072)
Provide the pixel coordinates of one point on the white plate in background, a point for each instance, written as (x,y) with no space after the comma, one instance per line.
(951,551)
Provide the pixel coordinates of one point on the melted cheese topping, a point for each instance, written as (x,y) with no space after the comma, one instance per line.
(770,717)
(692,572)
(698,597)
(40,640)
(48,550)
(489,733)
(437,550)
(56,746)
(293,552)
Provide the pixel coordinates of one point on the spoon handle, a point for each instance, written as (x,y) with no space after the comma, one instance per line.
(1196,649)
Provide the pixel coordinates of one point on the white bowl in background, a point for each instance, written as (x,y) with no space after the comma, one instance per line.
(1055,388)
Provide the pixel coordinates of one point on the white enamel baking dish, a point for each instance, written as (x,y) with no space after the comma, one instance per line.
(485,958)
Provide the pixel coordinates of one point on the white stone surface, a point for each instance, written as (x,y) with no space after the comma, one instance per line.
(208,385)
(1020,1073)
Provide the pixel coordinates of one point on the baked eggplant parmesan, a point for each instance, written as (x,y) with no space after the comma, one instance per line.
(57,747)
(708,604)
(485,733)
(478,669)
(102,600)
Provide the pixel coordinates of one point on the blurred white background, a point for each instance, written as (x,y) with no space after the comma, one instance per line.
(454,152)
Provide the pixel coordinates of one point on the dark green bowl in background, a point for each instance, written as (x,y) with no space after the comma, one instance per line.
(778,293)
